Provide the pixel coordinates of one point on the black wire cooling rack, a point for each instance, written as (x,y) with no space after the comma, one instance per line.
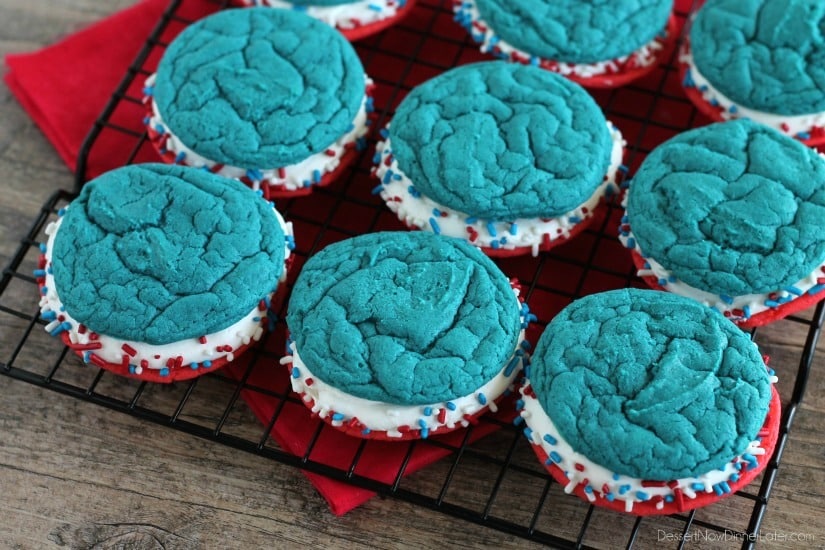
(495,481)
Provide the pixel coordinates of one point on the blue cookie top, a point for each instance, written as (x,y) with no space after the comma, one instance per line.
(649,384)
(158,254)
(502,141)
(576,31)
(733,208)
(260,87)
(406,318)
(767,55)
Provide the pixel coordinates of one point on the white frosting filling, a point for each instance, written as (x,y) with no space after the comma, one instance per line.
(344,408)
(468,15)
(417,210)
(612,486)
(736,308)
(344,16)
(194,353)
(792,125)
(306,173)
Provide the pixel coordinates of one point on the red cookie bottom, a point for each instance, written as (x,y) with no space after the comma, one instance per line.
(769,434)
(271,192)
(757,320)
(361,31)
(714,112)
(175,374)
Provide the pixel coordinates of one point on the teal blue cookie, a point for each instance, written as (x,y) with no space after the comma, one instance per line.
(502,141)
(733,208)
(767,55)
(406,318)
(649,384)
(259,88)
(158,254)
(576,31)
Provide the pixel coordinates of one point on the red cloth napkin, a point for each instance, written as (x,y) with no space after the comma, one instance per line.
(64,88)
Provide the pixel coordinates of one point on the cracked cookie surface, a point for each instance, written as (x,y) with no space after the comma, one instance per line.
(157,254)
(403,318)
(733,208)
(576,31)
(767,55)
(649,384)
(502,141)
(259,87)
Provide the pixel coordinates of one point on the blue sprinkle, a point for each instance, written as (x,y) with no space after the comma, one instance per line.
(733,109)
(132,369)
(697,486)
(725,487)
(495,245)
(146,120)
(574,219)
(718,490)
(513,229)
(528,433)
(471,220)
(365,431)
(384,133)
(747,311)
(491,228)
(435,226)
(316,176)
(662,282)
(517,421)
(61,212)
(752,462)
(624,169)
(436,212)
(193,366)
(254,175)
(425,432)
(616,477)
(624,488)
(428,411)
(64,326)
(734,478)
(526,345)
(669,498)
(206,364)
(672,279)
(87,355)
(610,497)
(39,272)
(361,144)
(376,158)
(555,457)
(550,439)
(641,495)
(164,371)
(180,157)
(413,191)
(816,289)
(481,398)
(803,135)
(374,7)
(772,303)
(793,290)
(725,298)
(519,404)
(48,315)
(450,405)
(42,247)
(338,416)
(511,366)
(631,243)
(306,183)
(588,489)
(296,372)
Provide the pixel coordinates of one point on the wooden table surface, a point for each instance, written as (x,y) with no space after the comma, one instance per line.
(75,474)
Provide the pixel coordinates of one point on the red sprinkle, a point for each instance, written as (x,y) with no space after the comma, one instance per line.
(61,318)
(81,328)
(470,418)
(442,416)
(86,347)
(329,153)
(282,173)
(766,359)
(605,488)
(144,363)
(93,336)
(403,429)
(178,362)
(216,168)
(170,363)
(650,483)
(261,306)
(784,127)
(308,381)
(579,467)
(202,339)
(124,361)
(129,349)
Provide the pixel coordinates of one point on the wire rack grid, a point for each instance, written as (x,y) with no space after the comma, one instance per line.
(494,481)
